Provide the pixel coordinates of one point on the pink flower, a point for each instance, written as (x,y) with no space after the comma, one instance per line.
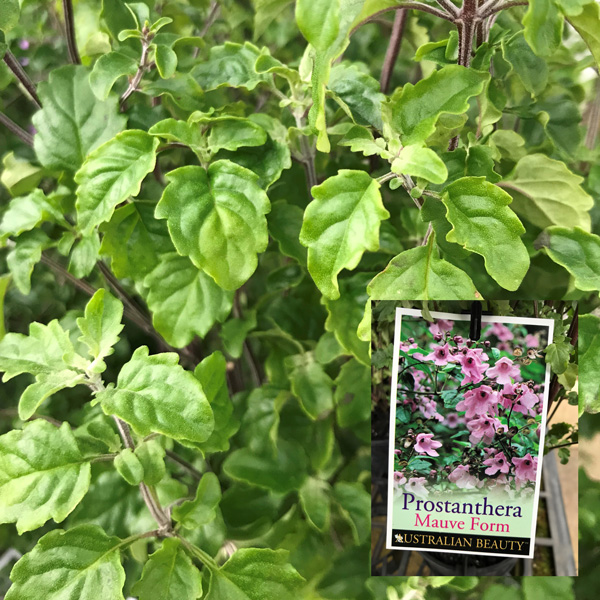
(405,346)
(426,445)
(440,355)
(399,478)
(471,367)
(503,370)
(532,341)
(525,468)
(497,463)
(483,428)
(462,478)
(478,401)
(453,420)
(502,332)
(418,376)
(441,326)
(416,485)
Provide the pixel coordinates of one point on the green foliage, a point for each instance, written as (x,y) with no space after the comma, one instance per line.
(482,223)
(111,174)
(37,458)
(252,574)
(339,225)
(83,561)
(201,510)
(216,217)
(416,110)
(169,575)
(72,121)
(155,394)
(245,181)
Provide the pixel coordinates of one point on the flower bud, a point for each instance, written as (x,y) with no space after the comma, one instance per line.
(402,463)
(512,431)
(526,431)
(469,343)
(487,344)
(438,337)
(458,339)
(411,340)
(530,421)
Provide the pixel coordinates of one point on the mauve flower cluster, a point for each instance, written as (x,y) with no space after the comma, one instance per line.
(490,391)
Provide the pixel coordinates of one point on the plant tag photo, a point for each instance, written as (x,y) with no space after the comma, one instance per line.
(467,422)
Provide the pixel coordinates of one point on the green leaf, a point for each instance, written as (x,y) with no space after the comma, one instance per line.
(155,395)
(82,563)
(310,384)
(339,225)
(111,174)
(46,349)
(360,139)
(129,467)
(546,193)
(315,502)
(151,456)
(352,394)
(548,588)
(271,159)
(531,70)
(359,92)
(9,14)
(169,575)
(202,509)
(282,473)
(27,213)
(19,176)
(420,274)
(134,240)
(4,283)
(354,502)
(416,109)
(100,327)
(557,354)
(42,475)
(73,121)
(184,300)
(107,70)
(318,21)
(166,61)
(45,386)
(26,253)
(587,25)
(265,12)
(285,223)
(233,133)
(255,574)
(434,212)
(420,162)
(482,222)
(212,374)
(577,251)
(326,26)
(589,363)
(47,353)
(235,331)
(84,255)
(230,65)
(543,26)
(216,217)
(345,314)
